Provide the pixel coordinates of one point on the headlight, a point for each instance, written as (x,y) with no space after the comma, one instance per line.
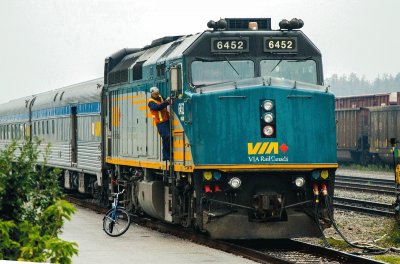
(268,105)
(300,181)
(268,117)
(268,131)
(235,182)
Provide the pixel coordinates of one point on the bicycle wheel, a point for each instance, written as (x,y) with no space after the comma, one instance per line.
(118,225)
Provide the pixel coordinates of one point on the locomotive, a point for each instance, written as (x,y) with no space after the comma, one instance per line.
(252,131)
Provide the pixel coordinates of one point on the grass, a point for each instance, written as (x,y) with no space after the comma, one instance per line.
(391,240)
(338,243)
(388,259)
(393,236)
(369,167)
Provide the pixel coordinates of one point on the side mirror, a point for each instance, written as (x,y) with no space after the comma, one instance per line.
(176,79)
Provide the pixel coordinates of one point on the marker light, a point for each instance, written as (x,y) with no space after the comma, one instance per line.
(268,117)
(300,181)
(268,131)
(253,25)
(207,175)
(268,105)
(324,174)
(315,174)
(235,182)
(217,175)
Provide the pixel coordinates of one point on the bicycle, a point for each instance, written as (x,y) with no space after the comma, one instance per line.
(117,220)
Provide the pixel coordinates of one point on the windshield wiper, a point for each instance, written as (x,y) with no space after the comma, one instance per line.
(279,62)
(226,58)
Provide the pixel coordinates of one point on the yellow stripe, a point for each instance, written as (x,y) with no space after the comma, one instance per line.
(139,101)
(127,97)
(160,116)
(142,107)
(245,167)
(148,164)
(178,143)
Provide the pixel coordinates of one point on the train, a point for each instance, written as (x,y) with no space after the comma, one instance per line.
(253,142)
(365,126)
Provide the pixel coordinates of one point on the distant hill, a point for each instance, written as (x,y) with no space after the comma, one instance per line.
(353,85)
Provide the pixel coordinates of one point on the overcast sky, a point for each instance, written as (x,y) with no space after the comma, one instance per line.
(47,44)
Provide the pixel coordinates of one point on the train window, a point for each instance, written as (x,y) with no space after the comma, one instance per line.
(52,126)
(296,70)
(211,72)
(43,131)
(160,70)
(137,71)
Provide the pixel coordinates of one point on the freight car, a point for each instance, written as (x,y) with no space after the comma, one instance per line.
(252,130)
(367,100)
(365,129)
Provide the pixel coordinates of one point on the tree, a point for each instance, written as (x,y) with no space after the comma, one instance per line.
(32,212)
(353,85)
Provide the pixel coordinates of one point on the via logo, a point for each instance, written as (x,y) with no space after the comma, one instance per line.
(261,148)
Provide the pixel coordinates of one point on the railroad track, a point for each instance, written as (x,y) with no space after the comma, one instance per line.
(262,251)
(380,186)
(363,206)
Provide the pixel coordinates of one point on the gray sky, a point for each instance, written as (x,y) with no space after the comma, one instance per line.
(47,44)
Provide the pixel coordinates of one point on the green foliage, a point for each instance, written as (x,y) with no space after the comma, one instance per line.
(337,243)
(388,259)
(352,84)
(393,235)
(32,212)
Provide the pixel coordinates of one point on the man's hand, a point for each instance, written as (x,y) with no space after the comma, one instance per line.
(169,100)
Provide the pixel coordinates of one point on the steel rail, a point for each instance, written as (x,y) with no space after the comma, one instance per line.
(363,206)
(366,188)
(371,181)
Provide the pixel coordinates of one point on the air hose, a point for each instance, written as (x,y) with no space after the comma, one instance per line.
(368,249)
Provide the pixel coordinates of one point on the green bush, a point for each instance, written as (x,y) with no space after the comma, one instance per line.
(32,211)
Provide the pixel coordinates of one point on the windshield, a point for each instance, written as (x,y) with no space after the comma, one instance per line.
(204,72)
(296,70)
